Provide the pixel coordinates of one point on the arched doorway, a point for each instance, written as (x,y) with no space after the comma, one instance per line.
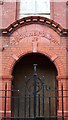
(22,72)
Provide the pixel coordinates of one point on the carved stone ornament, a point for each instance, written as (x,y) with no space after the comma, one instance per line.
(1,2)
(67,3)
(32,36)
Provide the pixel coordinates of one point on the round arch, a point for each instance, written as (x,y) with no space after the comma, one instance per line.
(55,59)
(37,53)
(51,54)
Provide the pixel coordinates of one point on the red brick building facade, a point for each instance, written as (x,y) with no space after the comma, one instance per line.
(22,39)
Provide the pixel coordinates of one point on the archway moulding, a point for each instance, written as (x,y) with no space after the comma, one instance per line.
(36,20)
(62,77)
(8,77)
(57,62)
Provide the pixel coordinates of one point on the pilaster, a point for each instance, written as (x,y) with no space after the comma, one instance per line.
(62,82)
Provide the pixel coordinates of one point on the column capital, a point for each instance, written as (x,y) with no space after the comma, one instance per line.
(8,77)
(61,77)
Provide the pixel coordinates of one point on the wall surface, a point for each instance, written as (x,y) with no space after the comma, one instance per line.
(7,14)
(10,12)
(59,12)
(34,38)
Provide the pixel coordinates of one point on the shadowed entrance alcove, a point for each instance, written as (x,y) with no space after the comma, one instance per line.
(22,71)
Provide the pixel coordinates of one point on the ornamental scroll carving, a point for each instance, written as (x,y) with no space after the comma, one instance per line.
(15,39)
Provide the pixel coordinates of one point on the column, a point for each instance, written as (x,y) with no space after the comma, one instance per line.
(6,85)
(0,97)
(62,80)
